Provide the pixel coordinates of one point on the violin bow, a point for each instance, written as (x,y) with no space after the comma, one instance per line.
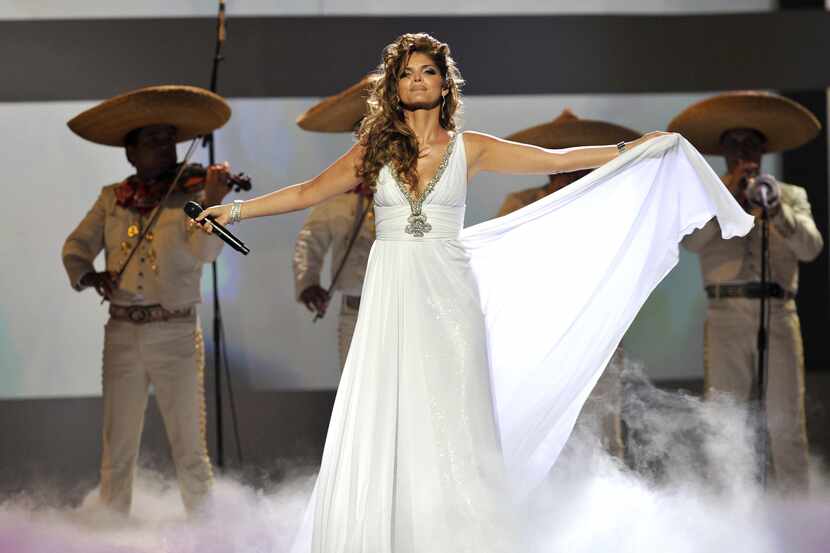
(360,216)
(157,211)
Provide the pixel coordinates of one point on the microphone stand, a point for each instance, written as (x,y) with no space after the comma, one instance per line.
(763,343)
(220,353)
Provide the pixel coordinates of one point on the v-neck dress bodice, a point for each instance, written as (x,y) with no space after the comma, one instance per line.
(437,214)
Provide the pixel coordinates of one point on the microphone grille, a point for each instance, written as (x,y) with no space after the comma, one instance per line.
(192,209)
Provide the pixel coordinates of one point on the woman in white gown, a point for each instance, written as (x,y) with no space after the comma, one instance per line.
(456,397)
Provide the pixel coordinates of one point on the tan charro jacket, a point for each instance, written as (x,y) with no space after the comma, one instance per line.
(166,270)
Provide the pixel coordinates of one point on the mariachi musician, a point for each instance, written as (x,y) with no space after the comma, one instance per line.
(153,334)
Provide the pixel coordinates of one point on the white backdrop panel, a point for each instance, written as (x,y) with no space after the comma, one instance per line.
(50,336)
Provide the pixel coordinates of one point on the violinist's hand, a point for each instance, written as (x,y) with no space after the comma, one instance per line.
(216,183)
(104,283)
(219,213)
(315,298)
(646,137)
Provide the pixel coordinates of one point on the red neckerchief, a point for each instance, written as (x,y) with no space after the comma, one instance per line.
(133,193)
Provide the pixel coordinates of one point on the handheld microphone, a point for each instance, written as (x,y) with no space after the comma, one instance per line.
(193,210)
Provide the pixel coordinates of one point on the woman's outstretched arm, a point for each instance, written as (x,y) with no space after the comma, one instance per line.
(488,153)
(338,178)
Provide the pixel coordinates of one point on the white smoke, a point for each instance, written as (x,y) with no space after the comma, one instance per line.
(688,485)
(242,519)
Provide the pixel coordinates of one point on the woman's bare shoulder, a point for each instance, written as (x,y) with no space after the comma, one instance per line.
(357,151)
(354,155)
(476,137)
(475,142)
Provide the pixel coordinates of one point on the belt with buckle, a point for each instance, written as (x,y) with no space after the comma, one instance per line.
(751,290)
(140,314)
(352,302)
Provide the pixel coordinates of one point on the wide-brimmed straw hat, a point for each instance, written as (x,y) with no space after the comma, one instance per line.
(339,113)
(569,131)
(193,111)
(784,123)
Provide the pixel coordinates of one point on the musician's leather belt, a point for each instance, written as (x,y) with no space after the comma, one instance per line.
(752,290)
(141,314)
(352,302)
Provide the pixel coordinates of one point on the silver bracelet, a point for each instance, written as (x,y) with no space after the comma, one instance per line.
(236,212)
(621,147)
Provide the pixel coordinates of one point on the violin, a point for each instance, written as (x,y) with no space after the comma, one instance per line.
(194,178)
(133,194)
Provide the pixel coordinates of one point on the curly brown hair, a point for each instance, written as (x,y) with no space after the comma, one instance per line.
(384,133)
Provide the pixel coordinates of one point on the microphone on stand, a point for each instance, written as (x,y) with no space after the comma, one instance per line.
(763,194)
(193,210)
(763,191)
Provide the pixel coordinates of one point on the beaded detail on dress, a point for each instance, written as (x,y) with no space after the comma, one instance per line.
(418,225)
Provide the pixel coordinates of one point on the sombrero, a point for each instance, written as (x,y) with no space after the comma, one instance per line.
(784,123)
(339,113)
(568,131)
(193,111)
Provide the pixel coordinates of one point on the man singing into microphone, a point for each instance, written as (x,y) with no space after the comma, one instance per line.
(742,126)
(153,334)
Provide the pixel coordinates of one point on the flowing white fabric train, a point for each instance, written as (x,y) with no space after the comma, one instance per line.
(457,396)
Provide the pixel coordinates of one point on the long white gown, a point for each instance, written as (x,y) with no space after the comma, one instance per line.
(458,393)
